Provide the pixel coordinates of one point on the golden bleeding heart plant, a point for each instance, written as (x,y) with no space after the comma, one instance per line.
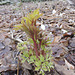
(35,50)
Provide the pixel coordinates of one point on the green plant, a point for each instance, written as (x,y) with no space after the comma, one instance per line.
(35,50)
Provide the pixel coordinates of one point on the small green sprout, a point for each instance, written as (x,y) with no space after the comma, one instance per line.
(34,50)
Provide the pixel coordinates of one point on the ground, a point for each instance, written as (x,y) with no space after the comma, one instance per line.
(59,21)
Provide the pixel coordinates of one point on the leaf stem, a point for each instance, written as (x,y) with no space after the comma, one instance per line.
(35,48)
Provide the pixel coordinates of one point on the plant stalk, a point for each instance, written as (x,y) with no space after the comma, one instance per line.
(35,48)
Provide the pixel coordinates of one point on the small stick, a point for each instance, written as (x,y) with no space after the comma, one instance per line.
(18,67)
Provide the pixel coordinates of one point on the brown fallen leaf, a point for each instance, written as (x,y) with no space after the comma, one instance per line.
(70,34)
(63,70)
(49,17)
(64,42)
(70,66)
(56,39)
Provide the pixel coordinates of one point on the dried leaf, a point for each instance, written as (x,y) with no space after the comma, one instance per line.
(56,39)
(70,66)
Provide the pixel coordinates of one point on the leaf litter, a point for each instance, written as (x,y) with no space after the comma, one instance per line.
(58,22)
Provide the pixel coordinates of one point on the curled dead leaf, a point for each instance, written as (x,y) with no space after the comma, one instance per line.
(70,66)
(56,39)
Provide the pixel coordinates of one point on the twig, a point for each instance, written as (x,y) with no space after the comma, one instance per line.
(15,39)
(18,67)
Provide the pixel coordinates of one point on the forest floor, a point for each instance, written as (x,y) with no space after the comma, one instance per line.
(59,21)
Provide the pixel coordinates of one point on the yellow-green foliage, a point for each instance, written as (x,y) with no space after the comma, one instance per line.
(28,24)
(34,50)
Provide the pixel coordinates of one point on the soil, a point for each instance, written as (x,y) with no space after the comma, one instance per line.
(59,21)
